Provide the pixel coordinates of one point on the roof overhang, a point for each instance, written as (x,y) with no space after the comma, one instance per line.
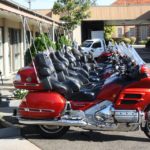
(17,10)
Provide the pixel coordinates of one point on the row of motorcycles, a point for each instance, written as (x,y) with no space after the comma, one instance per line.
(70,89)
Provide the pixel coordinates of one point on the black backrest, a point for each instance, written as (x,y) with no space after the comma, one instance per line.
(69,57)
(59,66)
(42,60)
(61,57)
(44,66)
(48,75)
(54,58)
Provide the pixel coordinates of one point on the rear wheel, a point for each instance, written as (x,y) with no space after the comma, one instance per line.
(52,131)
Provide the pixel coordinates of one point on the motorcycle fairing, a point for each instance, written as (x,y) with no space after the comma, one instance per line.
(135,95)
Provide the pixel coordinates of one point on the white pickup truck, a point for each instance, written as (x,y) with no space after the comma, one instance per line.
(94,46)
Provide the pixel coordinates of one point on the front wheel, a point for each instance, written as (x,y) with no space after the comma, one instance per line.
(146,129)
(52,131)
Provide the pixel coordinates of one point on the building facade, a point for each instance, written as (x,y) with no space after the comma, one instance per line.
(140,31)
(130,18)
(18,27)
(131,2)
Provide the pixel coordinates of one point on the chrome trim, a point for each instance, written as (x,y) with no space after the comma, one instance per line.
(75,123)
(36,110)
(102,116)
(127,116)
(25,84)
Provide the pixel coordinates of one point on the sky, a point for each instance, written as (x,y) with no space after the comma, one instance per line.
(44,4)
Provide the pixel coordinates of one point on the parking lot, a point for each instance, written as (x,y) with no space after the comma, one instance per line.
(78,139)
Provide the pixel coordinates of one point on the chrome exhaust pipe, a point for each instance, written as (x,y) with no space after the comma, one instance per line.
(62,122)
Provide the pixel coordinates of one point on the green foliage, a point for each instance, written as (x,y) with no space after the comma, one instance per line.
(143,42)
(93,2)
(133,40)
(148,43)
(148,38)
(118,40)
(126,40)
(41,43)
(61,42)
(20,94)
(72,12)
(108,32)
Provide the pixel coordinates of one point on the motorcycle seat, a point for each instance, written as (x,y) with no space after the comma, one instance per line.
(83,96)
(61,57)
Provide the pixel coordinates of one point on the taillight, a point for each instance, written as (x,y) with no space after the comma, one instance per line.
(144,70)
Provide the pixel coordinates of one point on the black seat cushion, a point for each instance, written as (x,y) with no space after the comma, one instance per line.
(88,93)
(54,85)
(83,96)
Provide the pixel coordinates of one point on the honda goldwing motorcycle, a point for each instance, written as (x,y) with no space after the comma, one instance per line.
(121,103)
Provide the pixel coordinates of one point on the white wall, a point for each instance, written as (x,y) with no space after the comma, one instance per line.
(77,35)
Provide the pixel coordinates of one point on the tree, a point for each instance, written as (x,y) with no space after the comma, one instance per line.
(94,2)
(108,32)
(72,12)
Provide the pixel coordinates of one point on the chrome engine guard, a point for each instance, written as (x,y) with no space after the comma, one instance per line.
(106,121)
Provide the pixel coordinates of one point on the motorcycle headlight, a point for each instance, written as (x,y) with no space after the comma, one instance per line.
(17,78)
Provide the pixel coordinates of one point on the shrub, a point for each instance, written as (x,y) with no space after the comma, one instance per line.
(62,40)
(126,40)
(108,32)
(20,94)
(40,44)
(148,38)
(143,42)
(118,40)
(133,40)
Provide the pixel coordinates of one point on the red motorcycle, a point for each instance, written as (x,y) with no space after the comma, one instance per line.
(120,103)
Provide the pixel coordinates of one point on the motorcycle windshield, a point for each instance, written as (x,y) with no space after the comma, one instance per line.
(128,50)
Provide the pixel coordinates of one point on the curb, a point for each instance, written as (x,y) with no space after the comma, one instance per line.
(5,123)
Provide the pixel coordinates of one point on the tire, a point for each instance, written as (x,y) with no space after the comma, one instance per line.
(52,132)
(146,129)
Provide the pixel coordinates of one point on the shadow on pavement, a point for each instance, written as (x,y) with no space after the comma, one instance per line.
(74,135)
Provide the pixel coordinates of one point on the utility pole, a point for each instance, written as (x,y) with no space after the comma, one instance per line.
(29,2)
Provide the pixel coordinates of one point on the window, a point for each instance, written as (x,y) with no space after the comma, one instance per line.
(87,43)
(132,32)
(96,45)
(120,32)
(14,49)
(143,32)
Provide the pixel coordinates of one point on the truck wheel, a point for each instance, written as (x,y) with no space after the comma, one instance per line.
(52,131)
